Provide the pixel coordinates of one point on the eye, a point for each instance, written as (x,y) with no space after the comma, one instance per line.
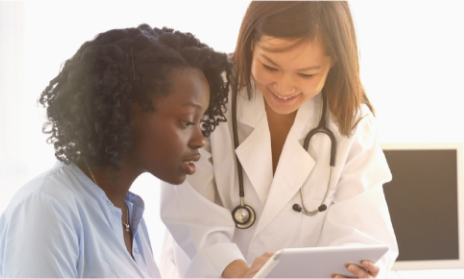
(270,68)
(305,75)
(185,124)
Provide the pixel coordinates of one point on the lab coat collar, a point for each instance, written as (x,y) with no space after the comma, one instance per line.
(256,145)
(295,165)
(250,112)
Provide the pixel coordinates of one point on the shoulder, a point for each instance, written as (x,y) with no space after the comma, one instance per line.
(53,191)
(365,127)
(364,137)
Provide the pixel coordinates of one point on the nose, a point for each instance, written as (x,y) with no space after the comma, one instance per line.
(284,87)
(198,139)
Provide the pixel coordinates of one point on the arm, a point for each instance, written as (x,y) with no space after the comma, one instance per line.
(38,240)
(199,224)
(359,213)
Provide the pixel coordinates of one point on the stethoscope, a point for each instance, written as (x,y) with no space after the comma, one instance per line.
(244,215)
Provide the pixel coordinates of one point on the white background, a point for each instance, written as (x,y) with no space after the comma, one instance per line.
(412,66)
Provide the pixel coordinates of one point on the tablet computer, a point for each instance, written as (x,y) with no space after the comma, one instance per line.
(318,262)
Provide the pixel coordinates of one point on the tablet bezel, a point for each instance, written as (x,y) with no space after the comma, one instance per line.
(310,253)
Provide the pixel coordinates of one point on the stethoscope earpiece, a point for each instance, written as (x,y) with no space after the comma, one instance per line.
(322,207)
(297,207)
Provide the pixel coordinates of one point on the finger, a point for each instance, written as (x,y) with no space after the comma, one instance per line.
(260,261)
(358,271)
(371,267)
(266,255)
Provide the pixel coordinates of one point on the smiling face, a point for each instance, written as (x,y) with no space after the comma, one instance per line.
(166,142)
(289,78)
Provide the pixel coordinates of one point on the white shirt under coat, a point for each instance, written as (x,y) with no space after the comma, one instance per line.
(203,238)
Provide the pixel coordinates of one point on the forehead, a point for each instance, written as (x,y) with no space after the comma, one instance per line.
(186,86)
(290,51)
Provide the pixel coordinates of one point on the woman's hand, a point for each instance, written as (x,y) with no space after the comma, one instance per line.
(257,264)
(240,269)
(368,270)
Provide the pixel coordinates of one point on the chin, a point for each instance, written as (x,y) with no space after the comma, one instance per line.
(283,108)
(175,180)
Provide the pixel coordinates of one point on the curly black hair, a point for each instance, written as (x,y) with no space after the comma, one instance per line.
(90,103)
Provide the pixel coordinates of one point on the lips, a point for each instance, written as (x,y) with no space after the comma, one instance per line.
(188,164)
(283,99)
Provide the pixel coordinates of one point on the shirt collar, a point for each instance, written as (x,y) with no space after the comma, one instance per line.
(137,207)
(86,182)
(135,202)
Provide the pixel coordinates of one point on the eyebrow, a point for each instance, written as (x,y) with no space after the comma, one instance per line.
(193,105)
(299,70)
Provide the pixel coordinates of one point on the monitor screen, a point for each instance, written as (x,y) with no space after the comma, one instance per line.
(423,199)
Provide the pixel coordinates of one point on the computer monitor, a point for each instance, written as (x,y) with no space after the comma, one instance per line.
(426,203)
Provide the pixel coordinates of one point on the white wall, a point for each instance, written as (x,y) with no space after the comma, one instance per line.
(412,58)
(411,65)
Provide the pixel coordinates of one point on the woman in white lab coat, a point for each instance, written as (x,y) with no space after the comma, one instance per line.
(288,55)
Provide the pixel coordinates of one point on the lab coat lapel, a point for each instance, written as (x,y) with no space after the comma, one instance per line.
(295,165)
(254,152)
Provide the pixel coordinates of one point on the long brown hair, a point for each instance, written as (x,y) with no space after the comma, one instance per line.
(332,24)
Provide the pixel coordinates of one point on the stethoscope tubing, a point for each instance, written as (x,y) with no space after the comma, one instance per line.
(234,127)
(321,128)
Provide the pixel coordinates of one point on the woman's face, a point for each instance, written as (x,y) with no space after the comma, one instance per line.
(166,142)
(289,78)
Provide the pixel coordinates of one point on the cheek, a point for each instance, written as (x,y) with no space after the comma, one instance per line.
(260,75)
(320,82)
(168,141)
(158,143)
(313,85)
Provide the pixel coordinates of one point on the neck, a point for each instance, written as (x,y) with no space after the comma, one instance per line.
(116,184)
(279,127)
(284,121)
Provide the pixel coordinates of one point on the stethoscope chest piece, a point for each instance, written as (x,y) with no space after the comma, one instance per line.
(244,216)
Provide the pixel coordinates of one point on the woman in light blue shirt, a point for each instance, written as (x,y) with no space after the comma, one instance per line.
(130,101)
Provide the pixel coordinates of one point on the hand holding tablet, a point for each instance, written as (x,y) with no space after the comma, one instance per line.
(318,262)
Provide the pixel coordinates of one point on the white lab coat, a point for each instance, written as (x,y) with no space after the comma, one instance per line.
(203,239)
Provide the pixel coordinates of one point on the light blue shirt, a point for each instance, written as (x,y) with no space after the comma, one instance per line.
(61,224)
